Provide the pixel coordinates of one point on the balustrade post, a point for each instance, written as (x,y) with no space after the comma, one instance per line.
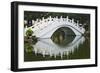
(73,21)
(43,19)
(36,20)
(67,18)
(40,21)
(61,18)
(77,24)
(56,17)
(33,22)
(50,18)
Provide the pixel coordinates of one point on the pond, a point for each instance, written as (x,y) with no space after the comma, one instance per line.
(62,45)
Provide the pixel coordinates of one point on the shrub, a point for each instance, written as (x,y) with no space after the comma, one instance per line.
(34,38)
(28,47)
(29,32)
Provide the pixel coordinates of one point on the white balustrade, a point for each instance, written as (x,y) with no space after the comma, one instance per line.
(40,24)
(33,22)
(72,20)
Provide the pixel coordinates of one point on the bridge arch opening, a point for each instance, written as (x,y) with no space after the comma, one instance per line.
(63,36)
(70,30)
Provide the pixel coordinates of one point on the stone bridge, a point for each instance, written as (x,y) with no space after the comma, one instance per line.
(44,28)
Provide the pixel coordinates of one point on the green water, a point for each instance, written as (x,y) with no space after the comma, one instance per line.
(63,45)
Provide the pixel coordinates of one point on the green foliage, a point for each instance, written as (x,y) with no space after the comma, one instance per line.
(29,32)
(34,38)
(28,47)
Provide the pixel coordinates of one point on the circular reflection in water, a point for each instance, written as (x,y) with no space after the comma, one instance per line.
(63,36)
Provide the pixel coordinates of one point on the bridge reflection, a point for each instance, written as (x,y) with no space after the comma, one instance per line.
(50,48)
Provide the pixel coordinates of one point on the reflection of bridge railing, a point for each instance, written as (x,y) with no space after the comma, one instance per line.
(39,26)
(47,47)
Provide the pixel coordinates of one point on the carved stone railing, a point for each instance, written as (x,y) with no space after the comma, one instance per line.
(40,24)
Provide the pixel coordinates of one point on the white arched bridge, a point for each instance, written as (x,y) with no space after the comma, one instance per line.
(44,28)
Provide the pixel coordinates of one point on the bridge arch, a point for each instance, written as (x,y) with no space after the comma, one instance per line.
(46,27)
(50,32)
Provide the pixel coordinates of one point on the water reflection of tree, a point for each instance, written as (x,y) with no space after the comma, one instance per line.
(29,40)
(28,47)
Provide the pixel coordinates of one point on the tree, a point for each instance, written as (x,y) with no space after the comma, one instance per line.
(29,32)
